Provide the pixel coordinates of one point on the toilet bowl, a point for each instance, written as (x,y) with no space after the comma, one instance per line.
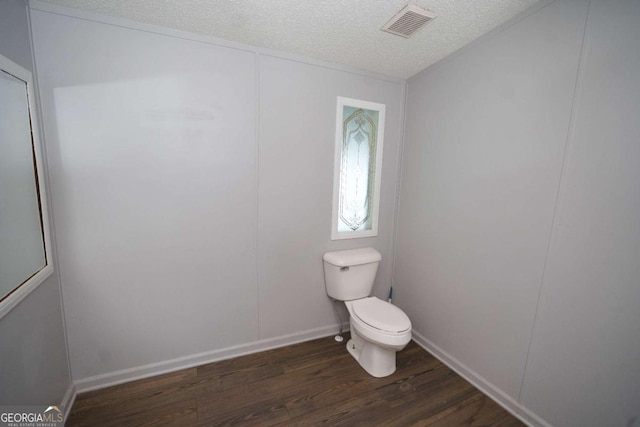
(378,328)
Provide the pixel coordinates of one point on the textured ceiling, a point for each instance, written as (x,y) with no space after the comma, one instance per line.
(341,31)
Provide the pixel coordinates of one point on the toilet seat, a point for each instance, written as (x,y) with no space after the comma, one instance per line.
(381,315)
(378,330)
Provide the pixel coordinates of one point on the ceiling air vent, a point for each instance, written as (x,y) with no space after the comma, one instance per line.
(409,20)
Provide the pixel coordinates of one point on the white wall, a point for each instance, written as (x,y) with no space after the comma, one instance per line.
(584,363)
(34,368)
(192,179)
(14,33)
(486,248)
(152,163)
(297,111)
(191,186)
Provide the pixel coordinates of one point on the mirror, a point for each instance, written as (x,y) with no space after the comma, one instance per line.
(24,231)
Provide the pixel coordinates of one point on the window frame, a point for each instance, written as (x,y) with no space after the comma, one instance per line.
(341,103)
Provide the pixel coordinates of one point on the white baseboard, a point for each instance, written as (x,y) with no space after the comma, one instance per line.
(500,397)
(145,371)
(67,400)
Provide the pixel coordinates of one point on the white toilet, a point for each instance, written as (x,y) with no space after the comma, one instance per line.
(378,329)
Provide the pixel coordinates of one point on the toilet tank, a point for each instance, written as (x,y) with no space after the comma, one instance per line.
(350,274)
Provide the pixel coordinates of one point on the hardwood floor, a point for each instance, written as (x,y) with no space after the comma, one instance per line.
(312,383)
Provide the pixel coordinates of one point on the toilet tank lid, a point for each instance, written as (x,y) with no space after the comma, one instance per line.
(352,257)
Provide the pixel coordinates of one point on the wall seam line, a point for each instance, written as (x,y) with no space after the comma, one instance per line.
(399,166)
(257,169)
(561,180)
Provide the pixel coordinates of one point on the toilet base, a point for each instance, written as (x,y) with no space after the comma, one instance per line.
(376,360)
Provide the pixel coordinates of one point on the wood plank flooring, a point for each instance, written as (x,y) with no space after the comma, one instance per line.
(306,384)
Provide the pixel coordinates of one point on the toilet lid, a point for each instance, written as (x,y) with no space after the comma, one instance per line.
(381,315)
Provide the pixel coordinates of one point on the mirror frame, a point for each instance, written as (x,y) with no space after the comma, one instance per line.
(29,285)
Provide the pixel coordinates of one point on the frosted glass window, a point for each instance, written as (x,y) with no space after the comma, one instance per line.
(359,138)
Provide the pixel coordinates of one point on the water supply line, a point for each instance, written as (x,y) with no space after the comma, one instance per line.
(339,337)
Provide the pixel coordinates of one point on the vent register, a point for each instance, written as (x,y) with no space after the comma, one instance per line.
(409,20)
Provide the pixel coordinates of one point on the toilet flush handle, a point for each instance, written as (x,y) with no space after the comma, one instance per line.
(344,268)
